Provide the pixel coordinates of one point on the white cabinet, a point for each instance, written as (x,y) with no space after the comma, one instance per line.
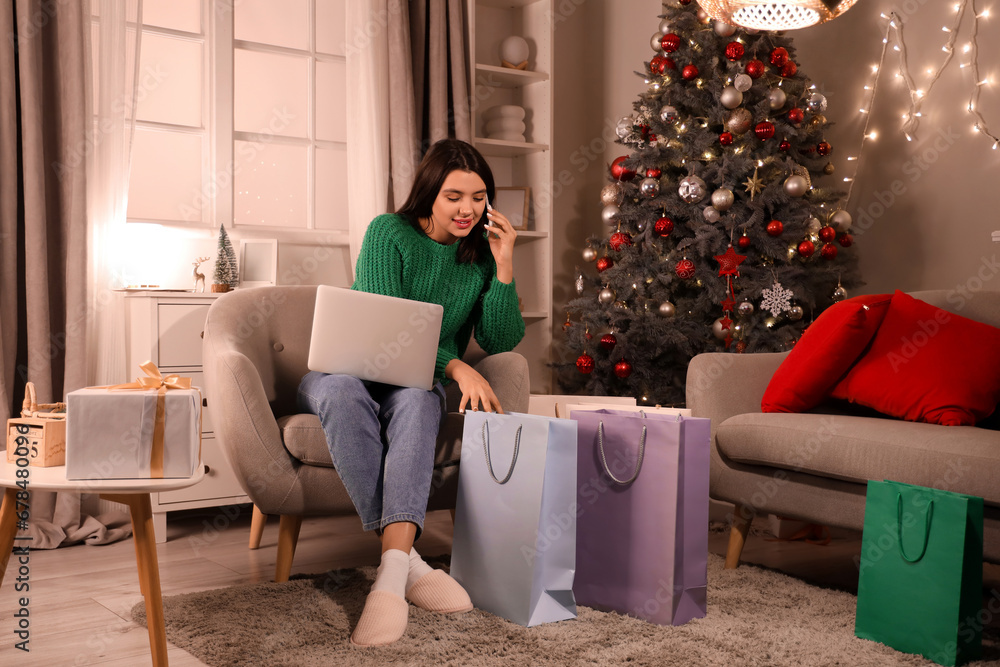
(167,328)
(517,163)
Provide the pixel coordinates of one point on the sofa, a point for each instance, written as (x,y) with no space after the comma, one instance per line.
(815,466)
(256,343)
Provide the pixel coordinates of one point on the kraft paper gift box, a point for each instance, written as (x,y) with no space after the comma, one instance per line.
(142,430)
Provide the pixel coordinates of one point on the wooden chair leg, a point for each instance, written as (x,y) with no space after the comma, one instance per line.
(742,518)
(257,522)
(8,528)
(288,536)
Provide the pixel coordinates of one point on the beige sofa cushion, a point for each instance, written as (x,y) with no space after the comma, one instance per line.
(954,458)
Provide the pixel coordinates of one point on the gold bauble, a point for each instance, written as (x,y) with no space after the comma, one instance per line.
(828,168)
(817,120)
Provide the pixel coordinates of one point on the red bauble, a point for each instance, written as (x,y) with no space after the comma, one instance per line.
(620,172)
(670,42)
(755,69)
(846,240)
(823,148)
(653,173)
(605,263)
(827,234)
(807,248)
(796,115)
(734,51)
(689,72)
(623,369)
(684,269)
(774,228)
(585,364)
(619,239)
(743,242)
(657,64)
(726,138)
(608,341)
(829,251)
(779,56)
(789,69)
(741,346)
(664,226)
(764,130)
(668,63)
(784,145)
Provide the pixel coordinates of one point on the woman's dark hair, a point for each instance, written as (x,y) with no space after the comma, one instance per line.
(444,157)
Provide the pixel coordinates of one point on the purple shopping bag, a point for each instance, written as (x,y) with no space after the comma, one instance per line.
(642,514)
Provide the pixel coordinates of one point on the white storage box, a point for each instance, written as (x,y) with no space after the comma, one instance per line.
(112,433)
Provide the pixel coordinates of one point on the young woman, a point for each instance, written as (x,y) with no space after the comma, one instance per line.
(445,246)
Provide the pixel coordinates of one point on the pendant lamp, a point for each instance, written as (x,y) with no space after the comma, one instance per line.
(775,14)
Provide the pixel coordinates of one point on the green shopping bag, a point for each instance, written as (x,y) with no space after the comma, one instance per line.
(919,589)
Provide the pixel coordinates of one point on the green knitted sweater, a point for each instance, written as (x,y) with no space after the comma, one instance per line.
(398,260)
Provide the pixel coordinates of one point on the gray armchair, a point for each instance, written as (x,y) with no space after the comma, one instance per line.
(256,343)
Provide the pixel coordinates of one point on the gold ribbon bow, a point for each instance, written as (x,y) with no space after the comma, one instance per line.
(155,380)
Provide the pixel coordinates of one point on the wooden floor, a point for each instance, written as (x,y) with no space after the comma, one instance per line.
(81,596)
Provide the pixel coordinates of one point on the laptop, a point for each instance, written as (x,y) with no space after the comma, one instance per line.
(375,337)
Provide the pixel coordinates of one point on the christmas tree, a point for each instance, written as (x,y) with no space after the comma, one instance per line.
(226,269)
(720,235)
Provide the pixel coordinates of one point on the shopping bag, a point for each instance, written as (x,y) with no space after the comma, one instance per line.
(921,572)
(642,517)
(514,544)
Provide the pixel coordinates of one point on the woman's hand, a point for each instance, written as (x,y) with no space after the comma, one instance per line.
(501,235)
(476,390)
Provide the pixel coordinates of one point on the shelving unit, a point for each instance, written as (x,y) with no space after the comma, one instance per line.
(519,164)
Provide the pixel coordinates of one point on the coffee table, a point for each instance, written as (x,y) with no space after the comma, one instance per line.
(131,492)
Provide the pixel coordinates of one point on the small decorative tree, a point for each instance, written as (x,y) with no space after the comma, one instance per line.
(227,275)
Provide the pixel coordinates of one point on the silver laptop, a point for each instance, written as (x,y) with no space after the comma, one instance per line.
(375,337)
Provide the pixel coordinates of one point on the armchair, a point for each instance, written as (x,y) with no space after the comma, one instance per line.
(256,344)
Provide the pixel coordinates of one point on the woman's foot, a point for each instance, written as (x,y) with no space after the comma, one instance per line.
(434,590)
(385,615)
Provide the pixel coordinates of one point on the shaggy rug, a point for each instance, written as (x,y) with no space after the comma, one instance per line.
(755,617)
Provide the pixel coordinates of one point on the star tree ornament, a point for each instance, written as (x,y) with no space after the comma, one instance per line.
(753,184)
(776,299)
(729,266)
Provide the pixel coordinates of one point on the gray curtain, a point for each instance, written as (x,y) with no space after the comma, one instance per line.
(429,100)
(44,131)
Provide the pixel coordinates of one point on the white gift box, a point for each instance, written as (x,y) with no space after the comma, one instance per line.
(110,433)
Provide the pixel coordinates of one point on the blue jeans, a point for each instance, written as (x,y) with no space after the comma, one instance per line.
(382,440)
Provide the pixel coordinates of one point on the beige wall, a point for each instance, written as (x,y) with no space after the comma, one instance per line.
(924,210)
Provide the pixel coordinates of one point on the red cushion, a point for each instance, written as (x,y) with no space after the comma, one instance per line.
(824,354)
(926,364)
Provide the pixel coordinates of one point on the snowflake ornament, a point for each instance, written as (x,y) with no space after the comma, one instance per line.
(777,299)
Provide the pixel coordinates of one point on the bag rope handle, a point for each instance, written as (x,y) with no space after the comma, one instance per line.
(899,529)
(32,408)
(486,451)
(638,463)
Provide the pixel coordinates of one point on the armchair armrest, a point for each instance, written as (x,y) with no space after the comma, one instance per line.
(507,374)
(721,385)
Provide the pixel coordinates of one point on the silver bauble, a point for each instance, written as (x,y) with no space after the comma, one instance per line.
(745,308)
(654,42)
(814,225)
(580,284)
(796,186)
(777,98)
(650,187)
(841,220)
(668,114)
(730,97)
(723,29)
(589,254)
(816,103)
(711,214)
(722,199)
(839,294)
(612,194)
(606,296)
(795,313)
(624,127)
(667,309)
(718,331)
(666,26)
(743,82)
(739,121)
(692,189)
(609,214)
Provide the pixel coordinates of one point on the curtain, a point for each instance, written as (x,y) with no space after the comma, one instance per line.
(407,73)
(44,142)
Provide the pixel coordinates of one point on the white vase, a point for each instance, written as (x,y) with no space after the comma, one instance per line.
(504,111)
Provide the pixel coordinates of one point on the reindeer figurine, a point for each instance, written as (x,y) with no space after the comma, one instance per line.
(199,277)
